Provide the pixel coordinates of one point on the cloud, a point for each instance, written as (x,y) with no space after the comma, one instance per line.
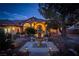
(14,15)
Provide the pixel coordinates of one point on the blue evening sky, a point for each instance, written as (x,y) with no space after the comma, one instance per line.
(19,11)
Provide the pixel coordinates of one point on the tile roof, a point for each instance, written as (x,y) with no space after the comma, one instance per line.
(5,22)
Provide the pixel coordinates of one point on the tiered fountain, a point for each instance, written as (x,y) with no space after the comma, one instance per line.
(39,40)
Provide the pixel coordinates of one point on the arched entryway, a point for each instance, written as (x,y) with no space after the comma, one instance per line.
(26,25)
(43,27)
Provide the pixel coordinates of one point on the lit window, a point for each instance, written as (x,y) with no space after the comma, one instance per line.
(5,30)
(13,28)
(53,30)
(9,30)
(26,25)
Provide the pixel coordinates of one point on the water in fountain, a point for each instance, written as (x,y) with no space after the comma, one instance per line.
(38,45)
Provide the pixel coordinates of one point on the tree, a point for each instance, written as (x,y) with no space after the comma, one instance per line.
(53,24)
(30,31)
(4,44)
(71,20)
(2,39)
(76,12)
(58,12)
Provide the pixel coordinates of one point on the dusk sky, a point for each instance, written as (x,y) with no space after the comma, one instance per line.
(19,11)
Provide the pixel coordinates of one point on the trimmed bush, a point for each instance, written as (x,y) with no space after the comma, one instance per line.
(30,31)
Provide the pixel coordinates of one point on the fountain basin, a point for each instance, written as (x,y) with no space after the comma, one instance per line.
(35,50)
(37,45)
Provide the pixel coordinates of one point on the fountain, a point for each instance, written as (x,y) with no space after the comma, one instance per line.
(39,40)
(40,44)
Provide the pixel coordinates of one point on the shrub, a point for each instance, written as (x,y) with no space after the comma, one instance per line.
(30,31)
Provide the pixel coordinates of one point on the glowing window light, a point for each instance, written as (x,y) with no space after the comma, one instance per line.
(53,30)
(9,30)
(26,25)
(5,29)
(18,29)
(42,25)
(33,24)
(13,28)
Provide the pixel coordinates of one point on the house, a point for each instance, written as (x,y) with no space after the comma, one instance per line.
(20,25)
